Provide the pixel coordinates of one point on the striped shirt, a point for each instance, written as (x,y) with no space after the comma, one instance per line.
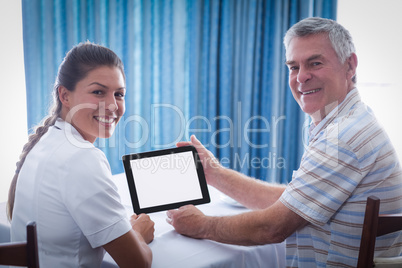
(349,157)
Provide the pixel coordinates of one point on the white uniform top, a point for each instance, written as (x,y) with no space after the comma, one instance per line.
(65,186)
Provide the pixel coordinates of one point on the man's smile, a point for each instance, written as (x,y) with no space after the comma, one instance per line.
(310,92)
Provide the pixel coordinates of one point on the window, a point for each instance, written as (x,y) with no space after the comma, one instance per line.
(375,26)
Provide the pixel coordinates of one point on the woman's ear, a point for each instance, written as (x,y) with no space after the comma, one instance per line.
(64,96)
(352,66)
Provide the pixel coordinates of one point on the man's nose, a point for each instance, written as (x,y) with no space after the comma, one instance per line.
(303,75)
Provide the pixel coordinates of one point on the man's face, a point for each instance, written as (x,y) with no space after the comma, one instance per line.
(318,80)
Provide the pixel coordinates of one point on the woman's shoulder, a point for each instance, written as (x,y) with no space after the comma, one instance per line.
(73,155)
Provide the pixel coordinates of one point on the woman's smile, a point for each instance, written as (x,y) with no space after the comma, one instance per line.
(97,102)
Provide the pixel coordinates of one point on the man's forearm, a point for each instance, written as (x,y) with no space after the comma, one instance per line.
(252,193)
(252,228)
(270,225)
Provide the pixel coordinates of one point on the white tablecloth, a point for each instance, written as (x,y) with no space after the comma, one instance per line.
(171,249)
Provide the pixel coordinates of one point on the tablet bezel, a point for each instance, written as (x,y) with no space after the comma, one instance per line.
(132,187)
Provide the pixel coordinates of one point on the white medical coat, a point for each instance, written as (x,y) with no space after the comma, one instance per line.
(66,186)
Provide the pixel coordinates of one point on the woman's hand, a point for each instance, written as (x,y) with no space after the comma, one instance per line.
(143,225)
(131,249)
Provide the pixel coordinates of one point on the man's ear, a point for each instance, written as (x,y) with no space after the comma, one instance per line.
(352,65)
(64,96)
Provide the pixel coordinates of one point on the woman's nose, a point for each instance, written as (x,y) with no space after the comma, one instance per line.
(111,104)
(112,107)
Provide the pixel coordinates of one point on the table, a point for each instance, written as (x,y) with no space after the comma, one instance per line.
(171,249)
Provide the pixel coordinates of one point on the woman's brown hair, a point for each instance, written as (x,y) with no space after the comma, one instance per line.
(78,62)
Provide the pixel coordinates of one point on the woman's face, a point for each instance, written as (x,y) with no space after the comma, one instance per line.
(96,105)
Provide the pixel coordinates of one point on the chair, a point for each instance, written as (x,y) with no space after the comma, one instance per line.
(375,225)
(21,253)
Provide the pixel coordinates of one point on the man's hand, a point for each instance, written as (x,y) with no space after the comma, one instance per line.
(188,221)
(211,165)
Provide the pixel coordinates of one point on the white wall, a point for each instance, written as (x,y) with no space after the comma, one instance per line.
(376,29)
(13,132)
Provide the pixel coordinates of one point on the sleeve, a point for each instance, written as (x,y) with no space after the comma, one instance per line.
(328,174)
(92,199)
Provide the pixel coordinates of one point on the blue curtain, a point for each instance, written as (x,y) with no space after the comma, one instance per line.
(214,68)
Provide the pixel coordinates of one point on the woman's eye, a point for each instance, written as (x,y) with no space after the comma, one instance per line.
(120,93)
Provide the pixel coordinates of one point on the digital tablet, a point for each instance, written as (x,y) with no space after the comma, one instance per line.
(165,179)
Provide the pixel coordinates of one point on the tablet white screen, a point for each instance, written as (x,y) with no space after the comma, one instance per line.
(165,179)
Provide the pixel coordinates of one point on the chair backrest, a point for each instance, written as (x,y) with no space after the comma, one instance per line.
(375,225)
(21,253)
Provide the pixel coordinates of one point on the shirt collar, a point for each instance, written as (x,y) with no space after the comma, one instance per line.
(343,108)
(72,134)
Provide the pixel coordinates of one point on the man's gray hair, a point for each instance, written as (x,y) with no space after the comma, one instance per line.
(340,38)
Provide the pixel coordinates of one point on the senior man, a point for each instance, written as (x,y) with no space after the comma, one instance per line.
(348,158)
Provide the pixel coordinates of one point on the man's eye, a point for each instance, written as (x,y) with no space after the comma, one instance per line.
(316,63)
(97,92)
(293,68)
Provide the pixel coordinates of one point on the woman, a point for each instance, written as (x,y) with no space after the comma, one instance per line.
(64,183)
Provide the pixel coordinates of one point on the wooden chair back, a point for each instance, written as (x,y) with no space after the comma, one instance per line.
(375,225)
(21,253)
